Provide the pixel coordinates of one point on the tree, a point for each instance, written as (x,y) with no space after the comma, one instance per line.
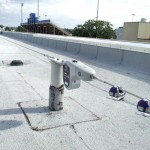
(7,29)
(68,30)
(1,26)
(93,28)
(20,29)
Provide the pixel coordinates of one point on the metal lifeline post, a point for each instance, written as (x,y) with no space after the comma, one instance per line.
(68,73)
(56,90)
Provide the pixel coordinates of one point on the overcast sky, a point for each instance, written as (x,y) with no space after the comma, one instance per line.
(70,13)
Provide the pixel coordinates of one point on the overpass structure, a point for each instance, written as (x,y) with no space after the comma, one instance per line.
(91,120)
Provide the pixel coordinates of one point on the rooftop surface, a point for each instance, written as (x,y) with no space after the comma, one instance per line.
(90,120)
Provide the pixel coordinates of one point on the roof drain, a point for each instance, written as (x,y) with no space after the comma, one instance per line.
(16,63)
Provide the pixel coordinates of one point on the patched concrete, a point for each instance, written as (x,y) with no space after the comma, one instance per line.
(41,118)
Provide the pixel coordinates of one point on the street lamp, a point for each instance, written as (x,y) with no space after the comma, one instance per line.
(45,17)
(133,17)
(97,17)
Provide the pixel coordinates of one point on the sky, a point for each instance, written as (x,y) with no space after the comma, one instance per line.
(70,13)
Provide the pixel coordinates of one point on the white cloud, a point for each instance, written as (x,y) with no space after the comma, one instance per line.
(69,13)
(3,4)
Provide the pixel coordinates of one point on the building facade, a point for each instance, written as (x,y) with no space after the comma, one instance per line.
(136,31)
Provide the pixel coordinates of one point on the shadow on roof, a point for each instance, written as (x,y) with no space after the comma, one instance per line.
(28,110)
(8,124)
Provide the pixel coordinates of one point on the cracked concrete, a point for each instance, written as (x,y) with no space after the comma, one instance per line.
(40,118)
(95,122)
(30,86)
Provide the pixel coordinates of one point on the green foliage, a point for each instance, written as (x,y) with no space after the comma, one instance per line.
(93,28)
(1,26)
(7,29)
(10,28)
(68,30)
(20,29)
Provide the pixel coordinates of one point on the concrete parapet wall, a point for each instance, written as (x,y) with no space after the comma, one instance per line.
(61,45)
(52,43)
(89,51)
(109,55)
(39,41)
(73,47)
(45,42)
(137,61)
(127,56)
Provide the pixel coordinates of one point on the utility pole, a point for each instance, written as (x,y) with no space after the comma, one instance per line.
(97,18)
(38,8)
(21,13)
(45,17)
(133,17)
(37,15)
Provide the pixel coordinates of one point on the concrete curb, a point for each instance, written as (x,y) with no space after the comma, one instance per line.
(132,59)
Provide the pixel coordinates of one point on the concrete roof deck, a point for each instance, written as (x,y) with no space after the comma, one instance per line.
(99,123)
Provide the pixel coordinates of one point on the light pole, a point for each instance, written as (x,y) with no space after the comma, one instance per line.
(37,15)
(97,18)
(45,17)
(21,13)
(133,17)
(38,8)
